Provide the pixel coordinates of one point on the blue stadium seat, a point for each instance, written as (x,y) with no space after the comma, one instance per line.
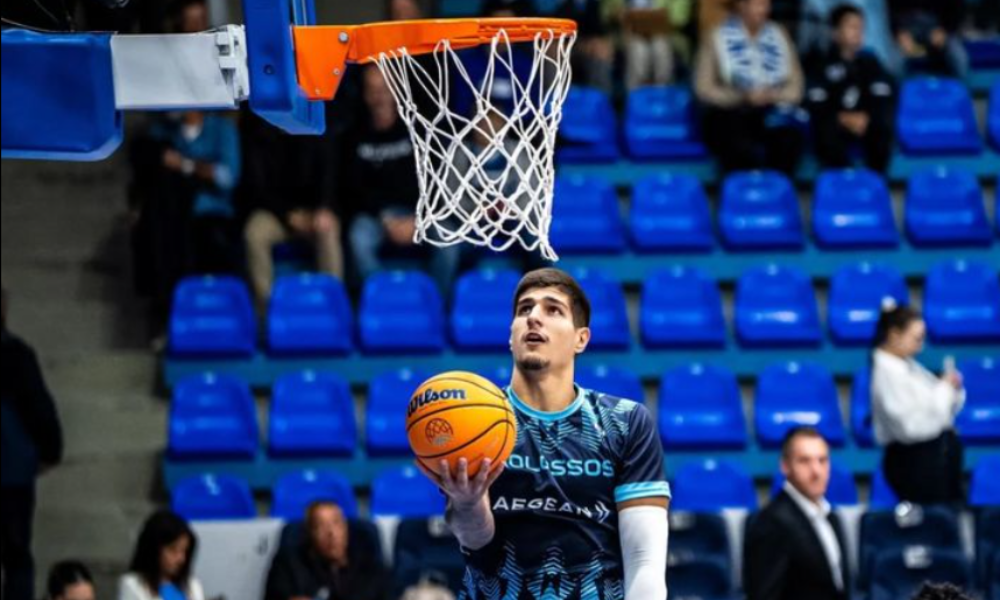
(984,53)
(936,116)
(483,307)
(681,307)
(425,547)
(962,302)
(987,544)
(702,577)
(670,213)
(843,490)
(934,527)
(760,211)
(994,116)
(295,492)
(901,574)
(853,209)
(797,394)
(711,486)
(776,306)
(589,129)
(986,483)
(312,414)
(701,408)
(213,417)
(882,495)
(385,424)
(212,316)
(861,408)
(586,218)
(407,494)
(699,534)
(946,207)
(501,375)
(214,498)
(619,382)
(979,421)
(857,293)
(995,578)
(660,124)
(402,311)
(310,314)
(609,323)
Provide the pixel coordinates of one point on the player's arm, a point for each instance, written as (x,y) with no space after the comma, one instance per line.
(644,531)
(470,515)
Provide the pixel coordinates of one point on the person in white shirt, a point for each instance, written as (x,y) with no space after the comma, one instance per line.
(161,566)
(913,412)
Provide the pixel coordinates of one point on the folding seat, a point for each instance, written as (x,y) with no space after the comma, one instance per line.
(670,213)
(843,490)
(962,302)
(385,423)
(946,207)
(406,493)
(900,574)
(619,382)
(480,319)
(609,324)
(987,541)
(681,307)
(760,211)
(700,407)
(936,116)
(212,316)
(586,217)
(861,408)
(214,498)
(213,417)
(933,527)
(797,394)
(979,421)
(402,311)
(776,306)
(853,209)
(711,486)
(699,535)
(986,483)
(994,116)
(995,578)
(295,492)
(883,497)
(427,547)
(857,293)
(589,129)
(983,54)
(310,314)
(707,578)
(312,414)
(661,124)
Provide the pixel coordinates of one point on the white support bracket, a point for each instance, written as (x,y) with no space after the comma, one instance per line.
(200,71)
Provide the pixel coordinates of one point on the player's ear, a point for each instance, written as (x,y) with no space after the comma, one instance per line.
(582,339)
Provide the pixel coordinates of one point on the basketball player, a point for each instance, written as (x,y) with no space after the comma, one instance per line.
(579,511)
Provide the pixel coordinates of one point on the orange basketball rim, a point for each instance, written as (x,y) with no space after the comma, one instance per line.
(323,52)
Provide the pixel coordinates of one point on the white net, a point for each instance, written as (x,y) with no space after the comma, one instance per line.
(487,172)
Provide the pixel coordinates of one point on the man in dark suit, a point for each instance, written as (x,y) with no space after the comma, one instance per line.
(795,548)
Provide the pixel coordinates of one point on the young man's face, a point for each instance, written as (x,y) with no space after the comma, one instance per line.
(543,335)
(850,35)
(807,467)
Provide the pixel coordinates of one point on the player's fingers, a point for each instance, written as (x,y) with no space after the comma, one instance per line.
(495,475)
(446,478)
(484,474)
(462,479)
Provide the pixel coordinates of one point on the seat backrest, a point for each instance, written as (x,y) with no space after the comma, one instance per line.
(754,192)
(852,190)
(585,196)
(986,481)
(803,393)
(609,313)
(426,547)
(995,579)
(212,295)
(941,188)
(406,493)
(312,391)
(987,544)
(402,310)
(295,492)
(681,288)
(699,577)
(711,486)
(698,534)
(933,527)
(311,293)
(482,306)
(700,386)
(388,396)
(865,286)
(588,116)
(861,407)
(962,282)
(619,382)
(212,393)
(670,193)
(401,290)
(776,286)
(931,96)
(902,573)
(660,105)
(214,498)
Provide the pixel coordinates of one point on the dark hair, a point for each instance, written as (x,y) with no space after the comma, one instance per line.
(543,278)
(898,318)
(842,12)
(65,574)
(318,504)
(161,530)
(796,433)
(944,591)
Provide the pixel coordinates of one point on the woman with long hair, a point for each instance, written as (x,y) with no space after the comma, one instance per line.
(914,413)
(161,565)
(70,581)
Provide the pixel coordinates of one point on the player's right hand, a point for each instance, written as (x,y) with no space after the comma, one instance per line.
(463,491)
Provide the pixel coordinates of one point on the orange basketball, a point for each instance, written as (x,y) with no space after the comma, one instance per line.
(460,415)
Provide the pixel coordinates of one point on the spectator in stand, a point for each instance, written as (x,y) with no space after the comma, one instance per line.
(851,97)
(594,53)
(646,27)
(70,581)
(815,36)
(32,444)
(381,188)
(750,83)
(289,185)
(928,33)
(161,565)
(327,564)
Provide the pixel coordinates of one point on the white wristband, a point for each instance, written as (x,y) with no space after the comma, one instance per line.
(645,537)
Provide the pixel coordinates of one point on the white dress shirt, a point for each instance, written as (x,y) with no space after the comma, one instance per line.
(909,404)
(819,517)
(130,587)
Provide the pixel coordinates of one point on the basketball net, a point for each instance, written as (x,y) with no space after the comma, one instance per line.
(486,178)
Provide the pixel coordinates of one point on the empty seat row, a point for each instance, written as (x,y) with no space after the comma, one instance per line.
(760,211)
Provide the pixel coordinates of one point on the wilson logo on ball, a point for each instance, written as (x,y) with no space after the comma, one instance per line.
(430,397)
(439,433)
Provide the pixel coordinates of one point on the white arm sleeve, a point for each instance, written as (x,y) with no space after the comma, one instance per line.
(645,537)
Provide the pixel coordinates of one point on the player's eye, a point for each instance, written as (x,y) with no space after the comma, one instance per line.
(524,310)
(555,310)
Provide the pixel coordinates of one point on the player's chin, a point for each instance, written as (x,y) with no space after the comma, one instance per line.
(532,362)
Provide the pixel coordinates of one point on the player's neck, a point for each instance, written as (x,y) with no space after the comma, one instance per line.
(546,392)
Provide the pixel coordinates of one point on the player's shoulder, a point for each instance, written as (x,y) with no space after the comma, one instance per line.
(624,408)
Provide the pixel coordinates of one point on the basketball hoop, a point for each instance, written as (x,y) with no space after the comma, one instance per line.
(486,177)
